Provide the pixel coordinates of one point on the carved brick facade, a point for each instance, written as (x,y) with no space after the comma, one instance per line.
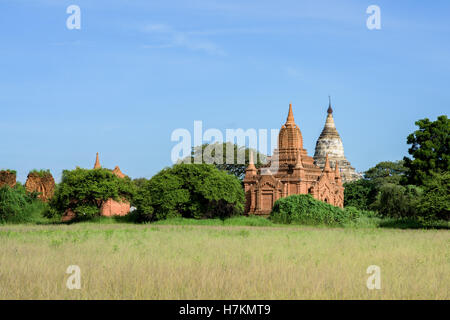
(290,171)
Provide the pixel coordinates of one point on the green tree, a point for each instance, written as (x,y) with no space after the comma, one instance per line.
(84,191)
(429,149)
(139,182)
(435,201)
(387,172)
(190,191)
(360,194)
(227,162)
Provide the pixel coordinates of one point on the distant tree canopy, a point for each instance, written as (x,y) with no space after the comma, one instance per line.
(190,191)
(235,162)
(84,191)
(429,149)
(387,172)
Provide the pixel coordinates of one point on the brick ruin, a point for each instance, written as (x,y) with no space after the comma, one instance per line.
(7,177)
(112,207)
(43,183)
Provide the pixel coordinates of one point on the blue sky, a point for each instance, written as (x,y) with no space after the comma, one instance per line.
(137,70)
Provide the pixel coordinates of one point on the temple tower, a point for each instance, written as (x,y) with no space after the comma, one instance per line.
(97,163)
(330,143)
(290,171)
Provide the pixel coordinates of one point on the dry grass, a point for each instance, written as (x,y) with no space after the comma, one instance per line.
(205,262)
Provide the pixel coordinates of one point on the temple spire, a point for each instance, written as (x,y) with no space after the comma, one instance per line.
(330,110)
(251,163)
(290,117)
(97,163)
(118,172)
(329,129)
(337,173)
(327,167)
(251,169)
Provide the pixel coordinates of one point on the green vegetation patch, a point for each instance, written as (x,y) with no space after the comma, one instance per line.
(304,209)
(40,173)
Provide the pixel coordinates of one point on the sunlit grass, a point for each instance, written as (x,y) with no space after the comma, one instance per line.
(126,261)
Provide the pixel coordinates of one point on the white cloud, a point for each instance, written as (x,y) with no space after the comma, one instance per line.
(292,72)
(171,38)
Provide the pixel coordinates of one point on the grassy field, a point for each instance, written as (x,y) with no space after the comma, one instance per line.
(170,261)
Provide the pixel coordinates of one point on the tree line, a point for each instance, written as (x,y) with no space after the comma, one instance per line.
(417,187)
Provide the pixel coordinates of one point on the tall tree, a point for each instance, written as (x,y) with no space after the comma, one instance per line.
(429,149)
(190,191)
(228,156)
(435,202)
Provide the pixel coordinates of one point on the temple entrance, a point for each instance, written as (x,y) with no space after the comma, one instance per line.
(267,201)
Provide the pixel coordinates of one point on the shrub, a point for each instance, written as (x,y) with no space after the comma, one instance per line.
(190,191)
(84,192)
(304,209)
(19,206)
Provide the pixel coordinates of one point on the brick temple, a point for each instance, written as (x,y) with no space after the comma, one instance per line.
(109,207)
(290,171)
(112,207)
